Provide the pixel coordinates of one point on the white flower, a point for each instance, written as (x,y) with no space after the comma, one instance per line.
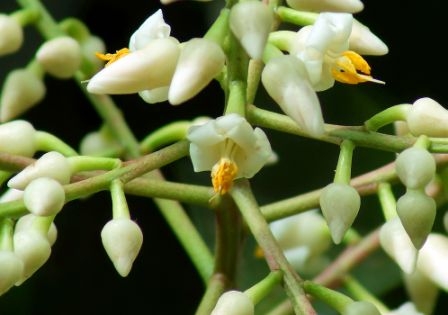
(350,6)
(324,49)
(234,303)
(407,308)
(153,27)
(12,35)
(230,148)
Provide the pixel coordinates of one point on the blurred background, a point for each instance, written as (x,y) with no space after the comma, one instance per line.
(80,279)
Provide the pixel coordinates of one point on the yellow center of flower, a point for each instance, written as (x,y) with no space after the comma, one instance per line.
(223,174)
(351,68)
(110,58)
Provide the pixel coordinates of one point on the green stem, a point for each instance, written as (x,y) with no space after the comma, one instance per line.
(219,29)
(261,289)
(47,142)
(91,163)
(165,135)
(359,292)
(344,166)
(422,142)
(26,16)
(253,79)
(6,234)
(387,116)
(215,288)
(75,28)
(300,18)
(237,98)
(120,209)
(282,39)
(387,200)
(275,258)
(334,299)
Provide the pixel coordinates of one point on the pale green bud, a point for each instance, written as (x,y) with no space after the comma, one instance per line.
(61,57)
(51,164)
(96,143)
(157,95)
(422,291)
(433,259)
(122,240)
(144,69)
(286,81)
(199,62)
(340,205)
(11,270)
(417,213)
(18,137)
(234,303)
(251,23)
(350,6)
(44,196)
(92,45)
(11,38)
(415,167)
(26,222)
(361,307)
(22,90)
(427,117)
(33,249)
(396,243)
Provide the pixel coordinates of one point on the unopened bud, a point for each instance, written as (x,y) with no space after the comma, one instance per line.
(12,35)
(11,269)
(340,205)
(427,117)
(52,164)
(18,137)
(26,222)
(235,303)
(349,6)
(415,167)
(422,291)
(364,42)
(286,81)
(22,90)
(361,307)
(122,240)
(199,62)
(44,196)
(417,212)
(251,23)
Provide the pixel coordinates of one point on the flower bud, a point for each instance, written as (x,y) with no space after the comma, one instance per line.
(33,249)
(145,69)
(251,23)
(415,167)
(21,91)
(433,259)
(18,137)
(427,117)
(340,205)
(157,95)
(44,196)
(364,42)
(286,81)
(349,6)
(199,62)
(12,35)
(360,307)
(52,164)
(11,269)
(417,213)
(97,143)
(235,303)
(25,223)
(92,45)
(396,243)
(422,291)
(61,57)
(122,240)
(407,308)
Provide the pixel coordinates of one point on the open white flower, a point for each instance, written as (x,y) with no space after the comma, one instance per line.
(228,147)
(324,49)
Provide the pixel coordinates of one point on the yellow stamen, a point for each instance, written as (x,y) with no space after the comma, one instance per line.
(110,58)
(223,174)
(258,252)
(351,68)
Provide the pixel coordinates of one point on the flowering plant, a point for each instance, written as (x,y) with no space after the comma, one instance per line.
(261,232)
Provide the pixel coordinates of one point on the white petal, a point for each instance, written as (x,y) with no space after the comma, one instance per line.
(154,27)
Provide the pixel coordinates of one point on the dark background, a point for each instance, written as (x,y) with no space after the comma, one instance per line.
(79,278)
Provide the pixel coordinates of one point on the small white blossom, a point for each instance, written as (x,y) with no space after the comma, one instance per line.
(350,6)
(427,117)
(230,148)
(234,303)
(44,196)
(11,38)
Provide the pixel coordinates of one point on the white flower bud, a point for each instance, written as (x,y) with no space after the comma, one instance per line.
(52,164)
(396,243)
(417,213)
(22,90)
(361,307)
(156,95)
(199,62)
(251,23)
(415,167)
(340,205)
(154,27)
(427,117)
(433,259)
(11,194)
(18,137)
(364,42)
(25,223)
(33,249)
(234,303)
(286,81)
(122,240)
(44,196)
(96,143)
(92,45)
(11,270)
(407,308)
(349,6)
(12,35)
(422,291)
(61,57)
(145,69)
